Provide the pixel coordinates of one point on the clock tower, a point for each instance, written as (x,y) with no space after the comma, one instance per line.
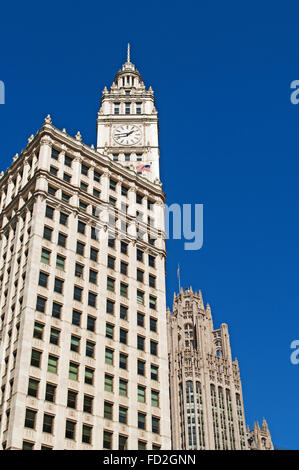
(127,124)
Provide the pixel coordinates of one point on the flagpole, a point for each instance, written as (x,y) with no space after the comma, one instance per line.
(179,278)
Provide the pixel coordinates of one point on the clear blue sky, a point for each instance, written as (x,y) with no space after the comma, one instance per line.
(221,72)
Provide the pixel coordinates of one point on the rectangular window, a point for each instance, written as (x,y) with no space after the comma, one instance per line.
(140,367)
(33,388)
(52,364)
(111,241)
(108,410)
(152,281)
(81,227)
(83,186)
(93,276)
(35,358)
(154,348)
(153,324)
(141,393)
(140,297)
(60,262)
(50,393)
(108,385)
(123,289)
(94,254)
(96,176)
(109,331)
(54,336)
(155,398)
(107,440)
(61,239)
(40,304)
(124,191)
(123,336)
(141,420)
(63,218)
(138,199)
(116,111)
(65,197)
(78,293)
(123,387)
(51,191)
(76,318)
(54,154)
(140,319)
(140,275)
(86,434)
(38,330)
(139,255)
(122,415)
(87,404)
(30,418)
(140,343)
(80,249)
(110,284)
(91,323)
(112,185)
(154,372)
(141,445)
(56,310)
(124,248)
(72,399)
(123,312)
(75,344)
(127,157)
(45,256)
(123,361)
(122,442)
(96,193)
(68,161)
(49,212)
(127,108)
(58,286)
(90,349)
(92,299)
(93,233)
(70,429)
(79,268)
(53,170)
(111,262)
(89,373)
(84,170)
(152,302)
(48,423)
(151,261)
(109,356)
(155,425)
(67,177)
(73,371)
(110,307)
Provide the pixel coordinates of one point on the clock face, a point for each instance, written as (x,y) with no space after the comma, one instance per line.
(127,134)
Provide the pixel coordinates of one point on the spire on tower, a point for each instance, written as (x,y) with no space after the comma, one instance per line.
(128,53)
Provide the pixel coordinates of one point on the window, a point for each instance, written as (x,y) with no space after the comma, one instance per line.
(96,176)
(108,384)
(58,286)
(123,312)
(63,218)
(76,318)
(48,423)
(151,261)
(139,157)
(115,157)
(80,248)
(72,399)
(56,310)
(79,268)
(40,304)
(26,445)
(81,227)
(92,299)
(111,241)
(67,177)
(141,393)
(140,367)
(155,425)
(93,276)
(65,197)
(123,336)
(54,336)
(124,248)
(89,373)
(94,234)
(123,268)
(139,255)
(53,170)
(122,442)
(140,297)
(154,372)
(140,319)
(138,199)
(84,170)
(141,420)
(124,191)
(47,233)
(30,418)
(35,358)
(70,429)
(123,387)
(141,445)
(112,202)
(155,398)
(140,343)
(83,186)
(111,262)
(108,410)
(123,361)
(96,193)
(68,161)
(154,348)
(94,254)
(51,191)
(110,284)
(123,289)
(73,371)
(127,108)
(62,240)
(153,324)
(112,185)
(156,447)
(33,388)
(127,157)
(45,256)
(138,108)
(152,302)
(75,344)
(109,356)
(109,331)
(140,275)
(60,261)
(52,364)
(110,307)
(91,323)
(107,440)
(78,293)
(122,415)
(86,434)
(116,111)
(49,212)
(50,393)
(90,348)
(152,281)
(38,330)
(87,404)
(54,154)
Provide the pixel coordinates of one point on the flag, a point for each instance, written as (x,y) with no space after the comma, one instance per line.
(143,167)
